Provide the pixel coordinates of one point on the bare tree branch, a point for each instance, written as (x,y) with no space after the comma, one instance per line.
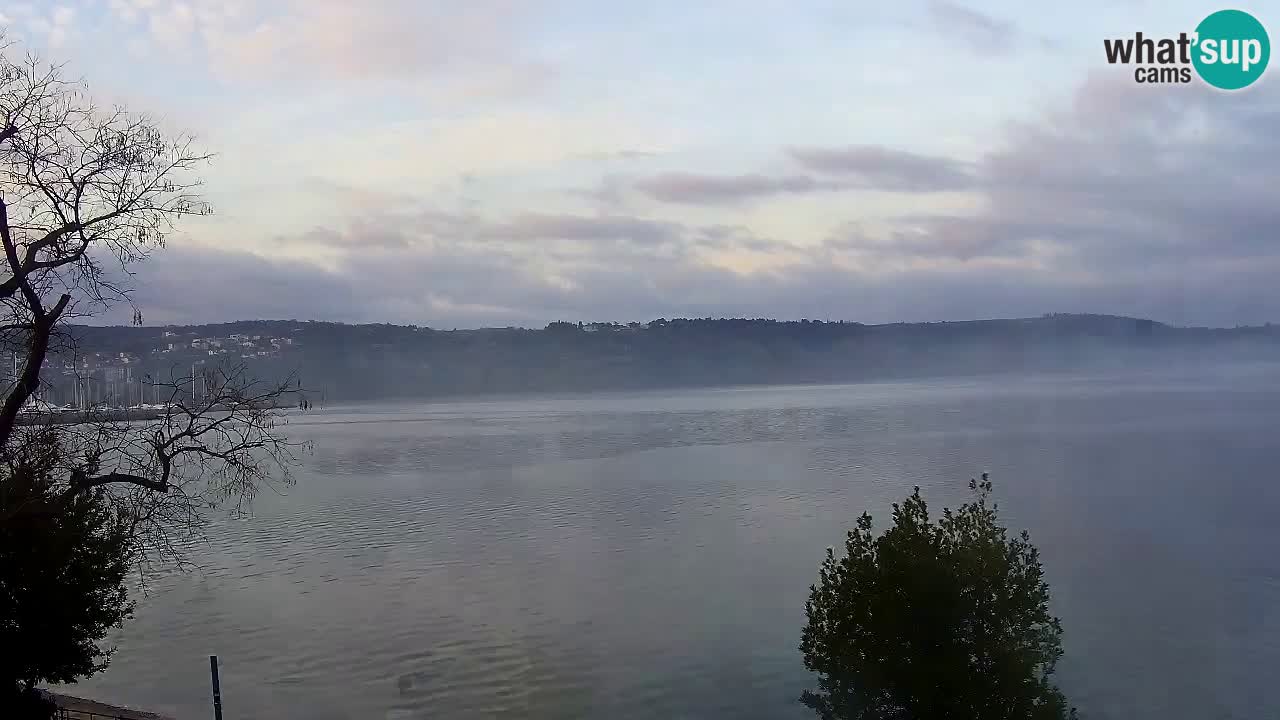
(80,481)
(84,189)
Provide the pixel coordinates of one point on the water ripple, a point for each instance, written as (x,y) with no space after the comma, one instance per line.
(647,555)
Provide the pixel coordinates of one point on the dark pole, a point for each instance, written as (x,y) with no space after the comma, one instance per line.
(217,691)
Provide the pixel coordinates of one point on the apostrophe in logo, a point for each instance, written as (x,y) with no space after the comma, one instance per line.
(1232,51)
(1228,50)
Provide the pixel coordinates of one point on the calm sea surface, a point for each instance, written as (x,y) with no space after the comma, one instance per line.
(648,555)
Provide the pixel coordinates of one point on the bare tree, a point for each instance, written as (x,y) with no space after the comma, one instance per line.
(86,193)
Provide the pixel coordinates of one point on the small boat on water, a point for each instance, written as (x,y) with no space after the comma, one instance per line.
(39,407)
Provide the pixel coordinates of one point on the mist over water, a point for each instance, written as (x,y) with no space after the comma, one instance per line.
(648,554)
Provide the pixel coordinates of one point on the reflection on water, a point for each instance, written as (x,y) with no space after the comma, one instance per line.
(648,555)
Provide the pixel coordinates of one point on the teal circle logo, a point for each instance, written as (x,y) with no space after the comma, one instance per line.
(1231,49)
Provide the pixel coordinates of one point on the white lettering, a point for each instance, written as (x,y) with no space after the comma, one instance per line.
(1230,51)
(1209,51)
(1252,54)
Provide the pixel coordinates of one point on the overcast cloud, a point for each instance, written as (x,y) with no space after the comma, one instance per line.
(504,162)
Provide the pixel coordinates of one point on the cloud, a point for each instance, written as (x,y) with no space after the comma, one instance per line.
(606,155)
(873,167)
(462,50)
(182,285)
(1159,180)
(328,40)
(856,167)
(394,156)
(534,226)
(54,26)
(440,269)
(1158,200)
(464,289)
(978,31)
(982,32)
(940,240)
(1152,202)
(693,188)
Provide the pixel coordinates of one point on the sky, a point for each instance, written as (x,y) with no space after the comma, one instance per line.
(515,162)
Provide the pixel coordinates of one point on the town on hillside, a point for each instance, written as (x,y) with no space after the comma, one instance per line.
(142,377)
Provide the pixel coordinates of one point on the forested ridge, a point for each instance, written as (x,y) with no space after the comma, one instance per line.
(379,361)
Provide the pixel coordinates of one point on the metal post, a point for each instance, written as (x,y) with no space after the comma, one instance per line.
(217,691)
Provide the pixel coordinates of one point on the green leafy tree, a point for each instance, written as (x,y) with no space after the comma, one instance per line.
(64,558)
(933,620)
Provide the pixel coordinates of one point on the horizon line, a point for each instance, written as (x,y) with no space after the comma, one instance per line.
(723,318)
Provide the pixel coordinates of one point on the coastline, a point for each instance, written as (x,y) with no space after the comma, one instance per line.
(72,417)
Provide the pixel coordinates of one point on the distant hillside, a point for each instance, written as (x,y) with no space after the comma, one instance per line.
(366,362)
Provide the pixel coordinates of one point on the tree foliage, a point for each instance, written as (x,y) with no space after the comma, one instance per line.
(933,620)
(64,559)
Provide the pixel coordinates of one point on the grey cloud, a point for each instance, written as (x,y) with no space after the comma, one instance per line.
(1167,177)
(1188,198)
(608,155)
(482,290)
(429,228)
(387,238)
(693,188)
(1161,206)
(873,167)
(184,285)
(608,194)
(940,237)
(857,167)
(1160,203)
(534,226)
(356,199)
(736,237)
(181,286)
(980,32)
(431,268)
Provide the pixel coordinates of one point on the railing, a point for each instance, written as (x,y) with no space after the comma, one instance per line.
(65,714)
